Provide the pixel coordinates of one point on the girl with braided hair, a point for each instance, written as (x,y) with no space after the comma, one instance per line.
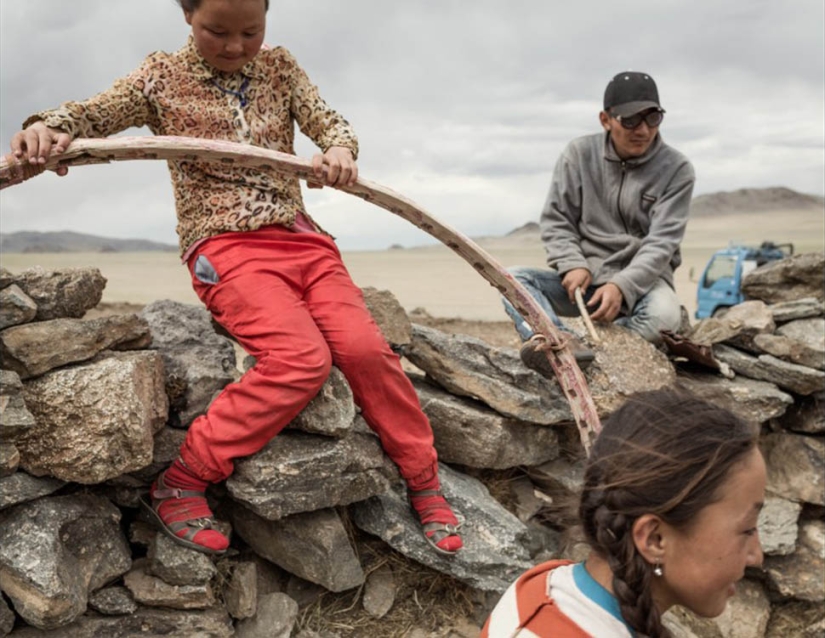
(672,492)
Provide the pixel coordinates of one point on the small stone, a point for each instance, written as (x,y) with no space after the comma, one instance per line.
(241,591)
(113,601)
(379,592)
(276,618)
(178,565)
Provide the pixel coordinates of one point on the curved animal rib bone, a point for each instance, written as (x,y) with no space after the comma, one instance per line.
(100,151)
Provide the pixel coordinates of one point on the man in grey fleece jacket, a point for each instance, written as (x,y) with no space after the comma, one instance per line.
(613,222)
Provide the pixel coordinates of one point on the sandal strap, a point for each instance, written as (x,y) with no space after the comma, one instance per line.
(414,494)
(192,526)
(163,494)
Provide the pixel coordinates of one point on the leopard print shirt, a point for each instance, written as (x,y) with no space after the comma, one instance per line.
(180,94)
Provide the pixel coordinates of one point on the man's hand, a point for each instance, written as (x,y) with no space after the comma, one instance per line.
(336,167)
(576,278)
(36,143)
(608,302)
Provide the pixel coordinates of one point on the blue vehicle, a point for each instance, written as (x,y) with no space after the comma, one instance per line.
(720,286)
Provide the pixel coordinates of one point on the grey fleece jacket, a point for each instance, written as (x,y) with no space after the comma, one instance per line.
(622,220)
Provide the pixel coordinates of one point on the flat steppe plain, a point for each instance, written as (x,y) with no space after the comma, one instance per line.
(434,278)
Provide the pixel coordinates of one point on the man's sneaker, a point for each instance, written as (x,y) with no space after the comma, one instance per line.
(534,357)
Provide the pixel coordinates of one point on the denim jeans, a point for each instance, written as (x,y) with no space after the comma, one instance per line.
(657,310)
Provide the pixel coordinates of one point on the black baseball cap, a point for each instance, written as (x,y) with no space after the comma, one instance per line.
(629,93)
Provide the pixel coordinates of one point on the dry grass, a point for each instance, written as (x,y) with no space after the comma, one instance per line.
(425,599)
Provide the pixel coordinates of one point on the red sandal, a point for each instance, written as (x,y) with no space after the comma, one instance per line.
(441,534)
(187,520)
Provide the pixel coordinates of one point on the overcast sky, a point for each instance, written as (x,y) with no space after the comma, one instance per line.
(461,106)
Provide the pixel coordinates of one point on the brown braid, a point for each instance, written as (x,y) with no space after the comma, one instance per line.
(665,453)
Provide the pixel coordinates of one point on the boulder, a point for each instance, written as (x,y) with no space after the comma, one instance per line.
(797,309)
(198,361)
(625,363)
(468,433)
(799,575)
(797,277)
(807,415)
(789,376)
(15,417)
(35,348)
(146,622)
(749,399)
(153,592)
(299,472)
(493,555)
(56,550)
(21,487)
(796,467)
(331,412)
(16,307)
(94,421)
(313,545)
(276,618)
(389,315)
(113,601)
(65,292)
(778,528)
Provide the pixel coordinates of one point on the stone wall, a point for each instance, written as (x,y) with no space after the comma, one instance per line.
(92,410)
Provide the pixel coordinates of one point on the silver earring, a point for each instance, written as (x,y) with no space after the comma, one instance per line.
(657,570)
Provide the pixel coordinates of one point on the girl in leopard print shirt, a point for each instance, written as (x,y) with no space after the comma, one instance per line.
(265,270)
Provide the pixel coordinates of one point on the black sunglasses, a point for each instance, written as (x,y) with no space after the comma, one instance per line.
(652,118)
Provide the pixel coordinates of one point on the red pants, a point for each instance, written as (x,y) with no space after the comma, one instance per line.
(289,301)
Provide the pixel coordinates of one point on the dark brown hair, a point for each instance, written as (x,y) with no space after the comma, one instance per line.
(666,453)
(191,5)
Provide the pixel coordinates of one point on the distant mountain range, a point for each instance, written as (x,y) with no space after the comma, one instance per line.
(745,200)
(71,242)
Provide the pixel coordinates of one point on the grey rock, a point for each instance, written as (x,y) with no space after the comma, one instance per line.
(35,348)
(797,619)
(468,433)
(269,578)
(6,278)
(527,503)
(240,592)
(65,292)
(796,467)
(739,326)
(468,367)
(560,479)
(6,618)
(493,554)
(142,533)
(807,415)
(749,399)
(113,601)
(778,526)
(746,616)
(312,545)
(797,309)
(789,376)
(21,487)
(276,618)
(788,349)
(15,417)
(797,277)
(379,592)
(331,411)
(178,565)
(9,459)
(94,421)
(144,623)
(299,472)
(56,550)
(800,574)
(16,307)
(810,334)
(154,592)
(303,592)
(199,362)
(166,449)
(389,315)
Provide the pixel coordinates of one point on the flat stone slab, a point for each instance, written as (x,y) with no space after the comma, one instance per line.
(788,376)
